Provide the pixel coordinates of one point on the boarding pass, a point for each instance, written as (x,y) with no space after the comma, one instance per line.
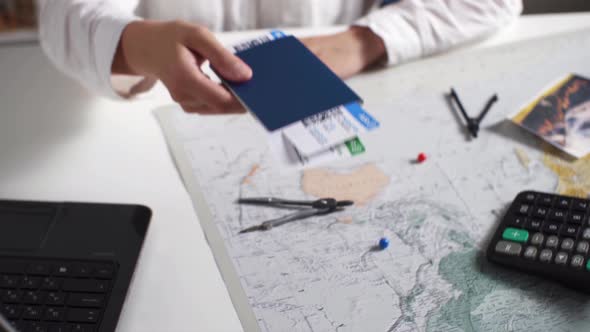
(328,129)
(288,157)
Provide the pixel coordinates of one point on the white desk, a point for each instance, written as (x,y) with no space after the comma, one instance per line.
(58,142)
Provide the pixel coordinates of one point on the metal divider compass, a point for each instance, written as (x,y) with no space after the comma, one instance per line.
(307,209)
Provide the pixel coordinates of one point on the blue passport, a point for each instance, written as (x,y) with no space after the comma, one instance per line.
(289,84)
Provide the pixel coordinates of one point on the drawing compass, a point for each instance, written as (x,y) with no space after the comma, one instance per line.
(472,124)
(305,209)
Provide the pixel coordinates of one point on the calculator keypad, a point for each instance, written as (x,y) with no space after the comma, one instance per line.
(548,229)
(537,239)
(577,261)
(561,258)
(552,242)
(530,252)
(508,248)
(567,244)
(546,255)
(583,247)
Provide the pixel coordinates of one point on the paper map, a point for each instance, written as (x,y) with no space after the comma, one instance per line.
(320,275)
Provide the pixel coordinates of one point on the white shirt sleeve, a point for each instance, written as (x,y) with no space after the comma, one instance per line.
(81,37)
(417,28)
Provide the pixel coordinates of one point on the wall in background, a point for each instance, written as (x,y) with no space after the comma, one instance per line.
(17,14)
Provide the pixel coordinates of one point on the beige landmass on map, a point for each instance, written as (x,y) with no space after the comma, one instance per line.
(364,183)
(360,185)
(573,175)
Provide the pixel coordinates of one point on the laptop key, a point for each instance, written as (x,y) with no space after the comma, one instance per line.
(85,300)
(32,312)
(55,298)
(55,314)
(60,328)
(38,269)
(10,295)
(37,327)
(104,272)
(81,270)
(83,315)
(62,270)
(82,328)
(11,311)
(9,281)
(30,282)
(50,283)
(33,297)
(85,285)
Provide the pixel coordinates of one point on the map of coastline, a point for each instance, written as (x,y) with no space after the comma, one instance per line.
(466,269)
(322,274)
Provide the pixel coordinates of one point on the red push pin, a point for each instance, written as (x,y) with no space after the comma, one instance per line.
(421,157)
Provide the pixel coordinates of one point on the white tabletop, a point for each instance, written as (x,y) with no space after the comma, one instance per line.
(59,142)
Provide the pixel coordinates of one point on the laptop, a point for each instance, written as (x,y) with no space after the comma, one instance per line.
(66,267)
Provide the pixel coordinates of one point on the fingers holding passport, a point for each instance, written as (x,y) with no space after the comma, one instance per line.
(191,88)
(173,53)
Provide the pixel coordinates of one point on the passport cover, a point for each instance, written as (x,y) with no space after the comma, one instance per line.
(289,84)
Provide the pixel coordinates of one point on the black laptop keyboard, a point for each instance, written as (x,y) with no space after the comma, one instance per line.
(44,295)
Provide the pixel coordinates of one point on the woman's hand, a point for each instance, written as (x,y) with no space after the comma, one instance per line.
(349,52)
(173,53)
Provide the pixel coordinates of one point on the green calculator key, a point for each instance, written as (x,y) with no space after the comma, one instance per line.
(588,265)
(515,234)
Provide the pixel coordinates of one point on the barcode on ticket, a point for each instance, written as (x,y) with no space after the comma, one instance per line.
(328,118)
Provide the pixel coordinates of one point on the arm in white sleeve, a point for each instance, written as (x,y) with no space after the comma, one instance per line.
(417,28)
(82,36)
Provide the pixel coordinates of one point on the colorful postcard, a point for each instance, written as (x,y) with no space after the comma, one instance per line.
(561,116)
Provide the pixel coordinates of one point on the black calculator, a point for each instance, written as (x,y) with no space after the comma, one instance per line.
(547,235)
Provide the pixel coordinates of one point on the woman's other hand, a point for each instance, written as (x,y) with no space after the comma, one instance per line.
(349,52)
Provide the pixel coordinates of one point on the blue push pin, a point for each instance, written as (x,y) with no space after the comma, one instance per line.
(383,243)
